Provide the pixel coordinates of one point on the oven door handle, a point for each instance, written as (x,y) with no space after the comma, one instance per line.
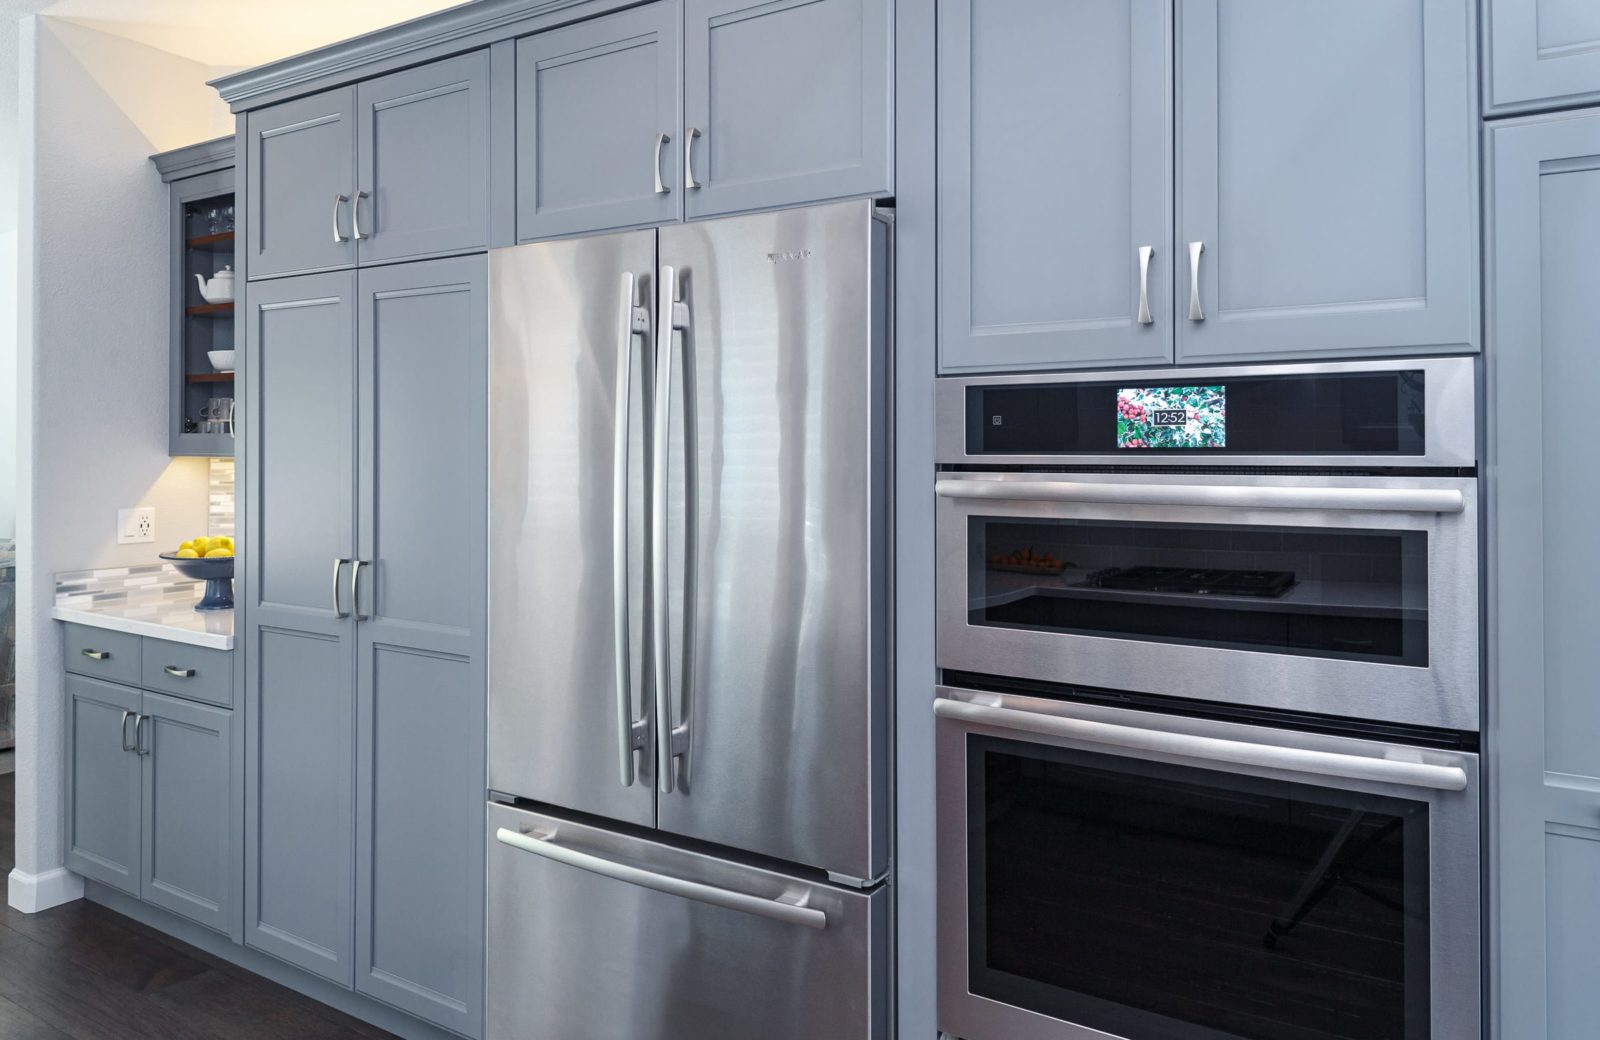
(1208,750)
(1228,496)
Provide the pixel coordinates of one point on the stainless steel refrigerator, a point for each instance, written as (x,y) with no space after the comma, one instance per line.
(690,632)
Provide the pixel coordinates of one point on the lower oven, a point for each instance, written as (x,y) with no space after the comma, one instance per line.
(1113,871)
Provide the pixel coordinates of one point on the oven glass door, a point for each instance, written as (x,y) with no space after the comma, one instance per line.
(1167,902)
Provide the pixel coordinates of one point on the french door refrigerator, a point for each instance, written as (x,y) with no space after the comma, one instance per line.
(689,632)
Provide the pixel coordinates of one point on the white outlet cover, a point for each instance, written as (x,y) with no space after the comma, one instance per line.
(136,525)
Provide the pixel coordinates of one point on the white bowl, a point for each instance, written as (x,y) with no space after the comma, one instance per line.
(221,360)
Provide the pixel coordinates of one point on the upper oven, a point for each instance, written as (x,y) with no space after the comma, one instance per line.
(1294,537)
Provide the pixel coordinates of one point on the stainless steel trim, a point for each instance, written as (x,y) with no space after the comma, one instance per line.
(689,134)
(635,321)
(355,588)
(1209,749)
(338,236)
(139,747)
(355,216)
(1227,496)
(179,673)
(126,715)
(661,143)
(96,655)
(1144,285)
(338,613)
(544,844)
(1195,249)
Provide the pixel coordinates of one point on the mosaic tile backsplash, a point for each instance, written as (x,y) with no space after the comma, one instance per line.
(152,583)
(220,517)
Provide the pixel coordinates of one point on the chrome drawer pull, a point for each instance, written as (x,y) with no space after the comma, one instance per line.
(126,715)
(179,673)
(1227,496)
(97,655)
(1144,318)
(338,201)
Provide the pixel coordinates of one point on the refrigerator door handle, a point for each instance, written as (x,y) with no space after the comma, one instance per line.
(635,323)
(671,740)
(782,909)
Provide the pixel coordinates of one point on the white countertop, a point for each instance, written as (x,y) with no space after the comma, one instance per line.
(173,619)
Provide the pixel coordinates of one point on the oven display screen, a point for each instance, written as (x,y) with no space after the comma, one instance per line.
(1165,417)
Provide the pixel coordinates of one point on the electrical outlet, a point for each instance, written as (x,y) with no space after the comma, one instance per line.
(136,525)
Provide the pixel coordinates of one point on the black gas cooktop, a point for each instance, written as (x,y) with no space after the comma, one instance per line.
(1198,581)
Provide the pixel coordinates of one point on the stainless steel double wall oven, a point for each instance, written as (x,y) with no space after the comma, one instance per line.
(1207,743)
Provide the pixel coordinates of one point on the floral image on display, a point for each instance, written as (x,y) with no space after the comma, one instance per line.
(1172,417)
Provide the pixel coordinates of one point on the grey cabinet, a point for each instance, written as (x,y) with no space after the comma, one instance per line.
(102,783)
(598,124)
(1326,202)
(300,160)
(188,828)
(1542,713)
(1541,54)
(1055,183)
(791,101)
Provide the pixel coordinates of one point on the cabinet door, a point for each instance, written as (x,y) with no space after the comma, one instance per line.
(1327,176)
(299,484)
(190,859)
(301,158)
(420,645)
(1055,173)
(792,101)
(1542,54)
(102,794)
(598,120)
(1543,715)
(424,160)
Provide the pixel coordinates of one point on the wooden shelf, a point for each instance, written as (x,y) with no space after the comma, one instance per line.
(210,377)
(210,308)
(210,240)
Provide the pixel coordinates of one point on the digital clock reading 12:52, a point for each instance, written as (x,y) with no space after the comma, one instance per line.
(1172,417)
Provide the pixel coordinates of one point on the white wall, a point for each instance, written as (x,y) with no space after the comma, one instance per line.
(92,348)
(8,376)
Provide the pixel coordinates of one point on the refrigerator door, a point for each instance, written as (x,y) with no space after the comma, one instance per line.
(570,364)
(597,936)
(774,545)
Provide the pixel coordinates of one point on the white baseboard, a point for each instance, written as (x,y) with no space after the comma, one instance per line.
(31,893)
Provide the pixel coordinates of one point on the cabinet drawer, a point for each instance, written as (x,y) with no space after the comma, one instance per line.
(191,672)
(113,656)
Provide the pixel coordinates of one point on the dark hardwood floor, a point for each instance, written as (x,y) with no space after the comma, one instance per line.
(82,972)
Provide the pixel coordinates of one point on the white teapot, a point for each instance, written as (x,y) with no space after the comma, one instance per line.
(220,288)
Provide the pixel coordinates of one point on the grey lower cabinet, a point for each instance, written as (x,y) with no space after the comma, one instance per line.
(1540,54)
(786,102)
(102,783)
(1055,183)
(364,624)
(598,124)
(1542,713)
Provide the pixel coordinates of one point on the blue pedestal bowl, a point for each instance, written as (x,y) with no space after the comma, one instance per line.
(216,572)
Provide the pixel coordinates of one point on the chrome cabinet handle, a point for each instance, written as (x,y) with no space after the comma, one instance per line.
(355,215)
(179,673)
(338,236)
(126,715)
(355,588)
(544,845)
(97,655)
(689,134)
(1144,285)
(672,740)
(139,747)
(339,612)
(1195,249)
(1207,749)
(1342,499)
(661,143)
(635,323)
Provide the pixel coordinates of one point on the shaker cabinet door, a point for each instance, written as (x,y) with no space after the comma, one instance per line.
(598,124)
(791,101)
(1542,716)
(189,856)
(1327,179)
(300,158)
(1055,183)
(1541,54)
(102,788)
(423,183)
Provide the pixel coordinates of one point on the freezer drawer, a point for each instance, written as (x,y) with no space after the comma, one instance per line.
(599,936)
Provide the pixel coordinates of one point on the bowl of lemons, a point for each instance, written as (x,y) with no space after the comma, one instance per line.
(209,560)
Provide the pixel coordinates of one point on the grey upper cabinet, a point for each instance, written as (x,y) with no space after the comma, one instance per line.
(298,633)
(421,601)
(1542,712)
(300,159)
(1326,200)
(1541,54)
(1055,183)
(786,102)
(189,826)
(598,124)
(423,161)
(102,783)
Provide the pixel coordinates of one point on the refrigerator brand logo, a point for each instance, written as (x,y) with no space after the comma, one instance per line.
(792,254)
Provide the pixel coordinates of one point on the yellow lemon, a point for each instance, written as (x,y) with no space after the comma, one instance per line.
(226,541)
(201,545)
(186,545)
(213,554)
(188,553)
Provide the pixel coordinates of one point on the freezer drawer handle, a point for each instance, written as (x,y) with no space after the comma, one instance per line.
(544,845)
(1229,496)
(1208,749)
